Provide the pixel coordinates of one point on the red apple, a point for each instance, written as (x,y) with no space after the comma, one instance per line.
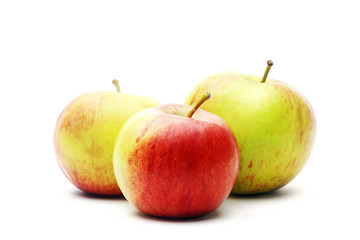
(173,161)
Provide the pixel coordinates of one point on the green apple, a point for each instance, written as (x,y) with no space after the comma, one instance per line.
(85,135)
(274,126)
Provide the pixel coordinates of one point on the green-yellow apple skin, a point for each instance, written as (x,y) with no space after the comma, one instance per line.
(85,135)
(274,126)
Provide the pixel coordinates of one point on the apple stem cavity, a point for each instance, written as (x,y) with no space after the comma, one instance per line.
(117,85)
(269,65)
(204,97)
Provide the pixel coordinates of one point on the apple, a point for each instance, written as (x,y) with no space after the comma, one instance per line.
(274,126)
(175,162)
(85,134)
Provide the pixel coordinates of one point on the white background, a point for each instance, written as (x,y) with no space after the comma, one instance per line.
(53,51)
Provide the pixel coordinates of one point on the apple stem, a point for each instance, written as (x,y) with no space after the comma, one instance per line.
(117,85)
(269,65)
(204,97)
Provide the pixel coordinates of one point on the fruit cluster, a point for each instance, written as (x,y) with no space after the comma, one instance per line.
(252,136)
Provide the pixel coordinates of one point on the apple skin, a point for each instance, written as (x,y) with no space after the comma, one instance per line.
(172,166)
(274,127)
(85,134)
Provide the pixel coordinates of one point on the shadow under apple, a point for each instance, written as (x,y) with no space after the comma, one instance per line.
(81,194)
(210,216)
(277,194)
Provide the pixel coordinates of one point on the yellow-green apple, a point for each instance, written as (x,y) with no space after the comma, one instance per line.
(85,134)
(273,123)
(170,163)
